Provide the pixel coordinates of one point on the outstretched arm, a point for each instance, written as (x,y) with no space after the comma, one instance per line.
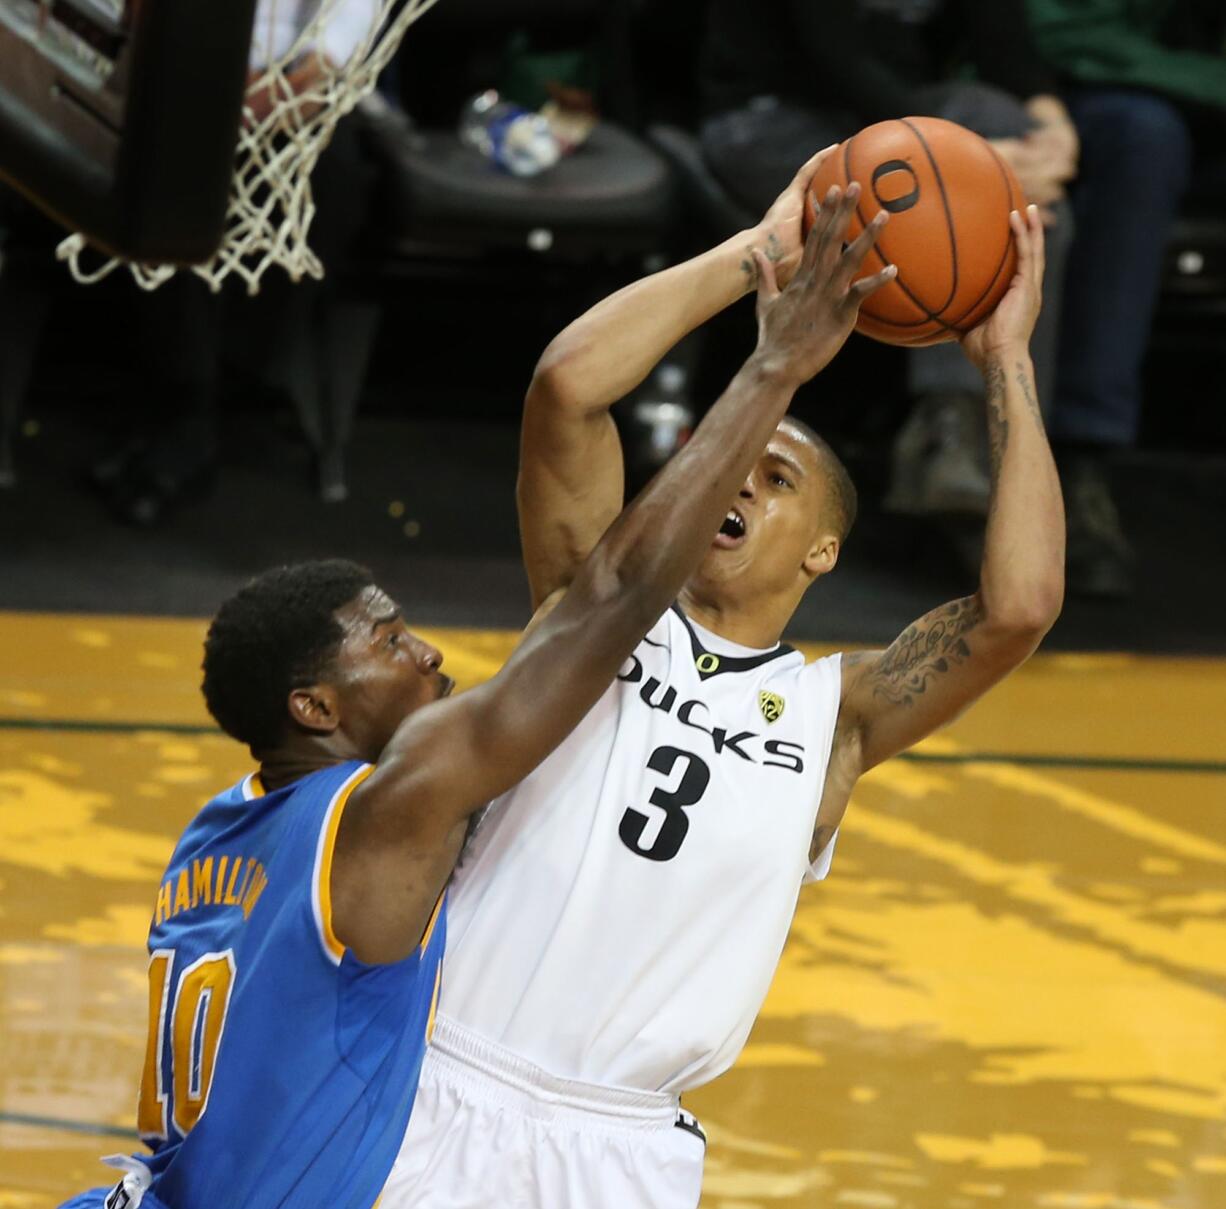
(939,665)
(398,835)
(571,475)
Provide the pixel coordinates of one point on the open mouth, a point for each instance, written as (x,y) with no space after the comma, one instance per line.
(732,531)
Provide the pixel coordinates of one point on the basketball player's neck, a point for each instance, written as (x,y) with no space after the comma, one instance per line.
(293,761)
(757,624)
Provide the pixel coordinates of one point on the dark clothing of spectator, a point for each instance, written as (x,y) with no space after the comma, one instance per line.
(1170,47)
(1145,83)
(783,78)
(1134,146)
(1139,83)
(871,57)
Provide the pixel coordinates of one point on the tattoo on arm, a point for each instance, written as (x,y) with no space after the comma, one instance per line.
(773,252)
(925,651)
(998,424)
(1023,380)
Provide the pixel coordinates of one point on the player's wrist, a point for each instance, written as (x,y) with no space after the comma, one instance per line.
(769,365)
(1007,355)
(740,251)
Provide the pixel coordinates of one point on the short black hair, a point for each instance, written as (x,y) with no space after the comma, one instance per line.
(840,490)
(277,633)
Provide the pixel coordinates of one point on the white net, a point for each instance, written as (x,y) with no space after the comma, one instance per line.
(312,68)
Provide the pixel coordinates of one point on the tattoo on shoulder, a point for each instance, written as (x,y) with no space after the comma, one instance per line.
(926,651)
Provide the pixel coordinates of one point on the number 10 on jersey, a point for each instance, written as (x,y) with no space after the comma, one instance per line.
(196,1015)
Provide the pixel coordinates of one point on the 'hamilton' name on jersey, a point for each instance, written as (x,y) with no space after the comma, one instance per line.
(771,753)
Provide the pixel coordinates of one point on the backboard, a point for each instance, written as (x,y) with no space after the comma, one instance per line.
(119,118)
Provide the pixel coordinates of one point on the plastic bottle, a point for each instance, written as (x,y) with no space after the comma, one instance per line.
(517,141)
(655,423)
(664,413)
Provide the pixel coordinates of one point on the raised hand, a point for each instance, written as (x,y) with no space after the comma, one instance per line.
(780,234)
(1009,327)
(803,326)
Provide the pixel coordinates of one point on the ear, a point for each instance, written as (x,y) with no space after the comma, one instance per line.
(822,558)
(315,708)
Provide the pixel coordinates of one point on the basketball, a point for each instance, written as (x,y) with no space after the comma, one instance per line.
(948,195)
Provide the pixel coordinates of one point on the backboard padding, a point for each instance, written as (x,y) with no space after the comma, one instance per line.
(126,130)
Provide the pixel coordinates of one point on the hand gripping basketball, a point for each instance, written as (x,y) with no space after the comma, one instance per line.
(1010,326)
(802,327)
(949,195)
(781,233)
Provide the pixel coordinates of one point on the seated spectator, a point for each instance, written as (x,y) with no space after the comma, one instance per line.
(782,78)
(1146,86)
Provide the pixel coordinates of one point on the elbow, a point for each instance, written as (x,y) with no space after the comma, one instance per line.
(1028,615)
(554,382)
(1047,599)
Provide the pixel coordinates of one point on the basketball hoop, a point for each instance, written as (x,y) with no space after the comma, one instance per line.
(290,112)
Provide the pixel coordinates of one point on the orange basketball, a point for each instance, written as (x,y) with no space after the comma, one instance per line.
(949,195)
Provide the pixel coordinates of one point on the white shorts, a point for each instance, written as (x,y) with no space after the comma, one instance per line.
(491,1130)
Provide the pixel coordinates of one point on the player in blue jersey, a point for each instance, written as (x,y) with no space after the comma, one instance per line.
(297,934)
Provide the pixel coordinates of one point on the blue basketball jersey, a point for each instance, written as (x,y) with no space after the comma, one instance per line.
(280,1070)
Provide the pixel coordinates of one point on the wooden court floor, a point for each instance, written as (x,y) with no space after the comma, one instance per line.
(1011,991)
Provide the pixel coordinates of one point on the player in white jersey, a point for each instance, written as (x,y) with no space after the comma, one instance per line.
(617,920)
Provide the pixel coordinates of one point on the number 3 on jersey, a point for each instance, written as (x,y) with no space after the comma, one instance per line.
(196,1015)
(674,823)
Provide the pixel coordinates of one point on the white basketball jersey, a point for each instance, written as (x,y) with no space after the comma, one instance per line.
(619,915)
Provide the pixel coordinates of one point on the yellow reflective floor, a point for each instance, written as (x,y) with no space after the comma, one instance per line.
(1011,991)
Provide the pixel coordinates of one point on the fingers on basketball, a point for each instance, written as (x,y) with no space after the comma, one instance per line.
(866,287)
(809,168)
(858,249)
(1027,229)
(815,241)
(836,230)
(854,254)
(1038,241)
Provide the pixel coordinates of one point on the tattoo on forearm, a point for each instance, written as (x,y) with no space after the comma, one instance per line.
(925,651)
(998,424)
(1022,377)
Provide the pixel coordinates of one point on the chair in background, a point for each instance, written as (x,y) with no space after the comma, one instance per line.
(597,219)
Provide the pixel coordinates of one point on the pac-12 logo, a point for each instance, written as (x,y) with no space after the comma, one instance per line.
(771,705)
